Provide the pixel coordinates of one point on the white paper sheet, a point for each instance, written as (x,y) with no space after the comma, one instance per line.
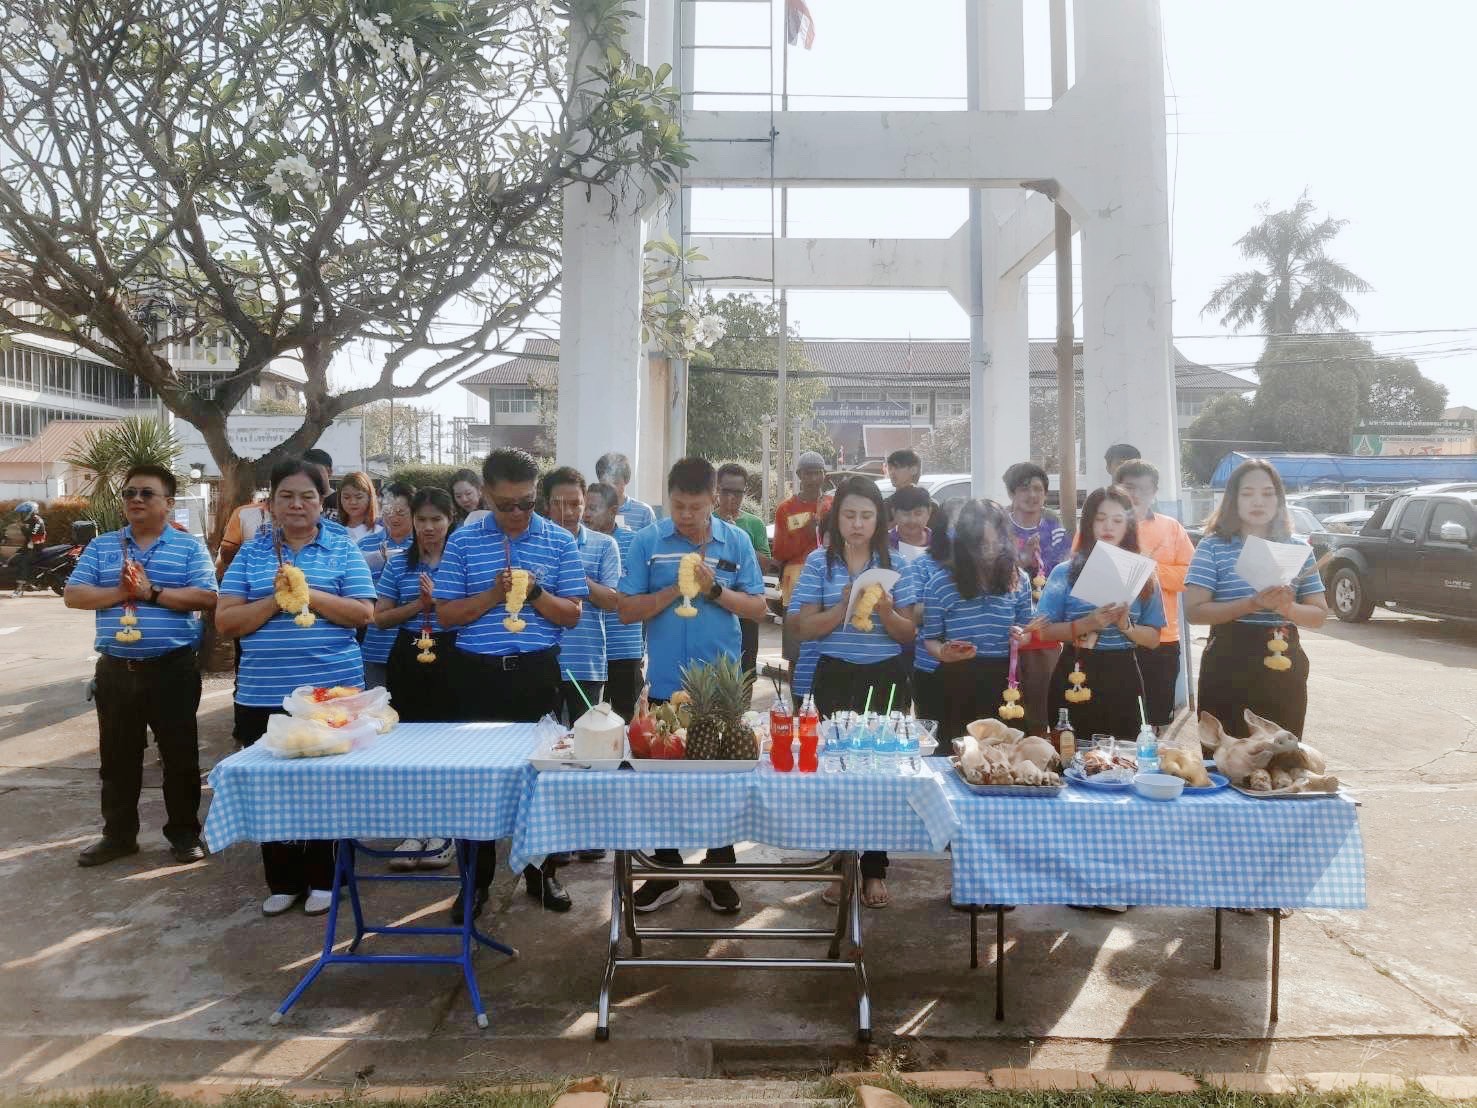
(1265,565)
(887,578)
(1112,576)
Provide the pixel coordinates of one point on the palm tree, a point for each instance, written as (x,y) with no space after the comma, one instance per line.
(110,452)
(1299,288)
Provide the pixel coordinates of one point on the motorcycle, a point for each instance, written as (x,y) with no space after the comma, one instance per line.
(50,568)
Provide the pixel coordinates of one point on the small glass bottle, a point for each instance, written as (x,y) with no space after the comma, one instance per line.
(1064,737)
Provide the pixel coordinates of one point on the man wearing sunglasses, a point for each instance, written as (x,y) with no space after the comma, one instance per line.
(501,675)
(159,580)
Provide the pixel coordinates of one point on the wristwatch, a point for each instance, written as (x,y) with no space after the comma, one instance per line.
(715,592)
(154,594)
(535,592)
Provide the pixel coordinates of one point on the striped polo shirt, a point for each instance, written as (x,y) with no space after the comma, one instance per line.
(280,656)
(984,620)
(174,560)
(803,679)
(477,552)
(635,515)
(921,569)
(400,583)
(377,548)
(674,641)
(1058,605)
(623,641)
(823,584)
(1214,568)
(582,649)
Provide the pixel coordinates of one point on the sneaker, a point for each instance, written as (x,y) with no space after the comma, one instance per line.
(406,864)
(278,903)
(188,850)
(442,858)
(318,902)
(722,896)
(656,894)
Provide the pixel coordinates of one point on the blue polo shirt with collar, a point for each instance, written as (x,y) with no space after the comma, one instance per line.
(623,641)
(280,656)
(673,641)
(582,649)
(378,548)
(635,514)
(477,552)
(174,560)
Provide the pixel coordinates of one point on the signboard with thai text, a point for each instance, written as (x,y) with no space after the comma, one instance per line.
(252,436)
(862,411)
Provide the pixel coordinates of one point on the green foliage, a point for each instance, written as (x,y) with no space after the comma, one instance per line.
(1225,424)
(1297,287)
(409,437)
(1309,395)
(109,452)
(424,476)
(1396,391)
(726,411)
(945,449)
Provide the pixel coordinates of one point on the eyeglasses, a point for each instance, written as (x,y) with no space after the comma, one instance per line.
(397,513)
(509,506)
(145,494)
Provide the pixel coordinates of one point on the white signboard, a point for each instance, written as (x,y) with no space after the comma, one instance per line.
(253,435)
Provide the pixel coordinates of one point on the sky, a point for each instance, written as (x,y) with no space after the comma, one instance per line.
(1366,105)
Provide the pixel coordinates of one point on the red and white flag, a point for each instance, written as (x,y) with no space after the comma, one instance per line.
(799,24)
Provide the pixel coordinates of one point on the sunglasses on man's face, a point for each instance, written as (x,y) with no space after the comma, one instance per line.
(509,506)
(146,495)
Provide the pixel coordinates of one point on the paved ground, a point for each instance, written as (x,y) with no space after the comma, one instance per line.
(154,972)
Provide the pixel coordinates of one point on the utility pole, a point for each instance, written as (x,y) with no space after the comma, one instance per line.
(1066,376)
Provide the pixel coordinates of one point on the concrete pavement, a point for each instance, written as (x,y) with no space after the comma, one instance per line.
(148,971)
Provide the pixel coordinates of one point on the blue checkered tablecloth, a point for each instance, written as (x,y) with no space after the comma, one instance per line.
(1215,850)
(462,780)
(626,810)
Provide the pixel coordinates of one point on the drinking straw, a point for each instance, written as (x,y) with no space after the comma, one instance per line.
(867,707)
(1143,716)
(890,695)
(579,689)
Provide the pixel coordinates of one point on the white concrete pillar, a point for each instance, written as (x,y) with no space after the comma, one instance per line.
(1119,194)
(601,356)
(1007,386)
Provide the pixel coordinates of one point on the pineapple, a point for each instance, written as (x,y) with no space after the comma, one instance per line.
(719,697)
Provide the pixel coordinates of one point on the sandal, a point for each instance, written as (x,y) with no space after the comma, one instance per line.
(831,894)
(875,894)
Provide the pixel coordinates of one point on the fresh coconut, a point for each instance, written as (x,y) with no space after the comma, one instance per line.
(599,733)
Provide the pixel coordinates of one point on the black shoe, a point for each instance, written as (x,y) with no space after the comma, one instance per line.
(554,861)
(722,897)
(479,902)
(106,850)
(545,888)
(656,894)
(590,855)
(188,850)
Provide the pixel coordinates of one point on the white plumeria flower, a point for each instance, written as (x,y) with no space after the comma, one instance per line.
(18,25)
(383,19)
(276,183)
(709,330)
(544,9)
(59,37)
(407,52)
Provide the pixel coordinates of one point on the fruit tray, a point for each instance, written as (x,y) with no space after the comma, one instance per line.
(547,755)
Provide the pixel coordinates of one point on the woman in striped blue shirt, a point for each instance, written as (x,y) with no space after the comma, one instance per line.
(1101,640)
(1243,622)
(393,536)
(278,656)
(852,662)
(974,602)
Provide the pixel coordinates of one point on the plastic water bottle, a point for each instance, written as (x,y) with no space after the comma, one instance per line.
(1148,750)
(864,744)
(908,748)
(886,755)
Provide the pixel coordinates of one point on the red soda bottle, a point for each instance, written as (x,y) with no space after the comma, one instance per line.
(781,737)
(810,721)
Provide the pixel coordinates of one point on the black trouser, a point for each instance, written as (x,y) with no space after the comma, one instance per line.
(1114,679)
(1160,666)
(842,686)
(423,692)
(134,696)
(927,703)
(749,651)
(514,688)
(23,568)
(970,690)
(1234,678)
(715,854)
(292,868)
(572,705)
(623,685)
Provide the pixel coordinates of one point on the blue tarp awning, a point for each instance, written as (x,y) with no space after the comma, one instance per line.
(1303,471)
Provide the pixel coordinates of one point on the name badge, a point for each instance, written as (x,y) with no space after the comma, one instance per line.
(794,523)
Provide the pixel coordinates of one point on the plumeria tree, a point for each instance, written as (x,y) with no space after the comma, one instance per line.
(301,175)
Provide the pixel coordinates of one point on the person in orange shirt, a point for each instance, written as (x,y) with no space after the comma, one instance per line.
(799,523)
(1164,539)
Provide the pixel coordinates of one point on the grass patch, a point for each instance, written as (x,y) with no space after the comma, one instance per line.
(468,1096)
(1412,1096)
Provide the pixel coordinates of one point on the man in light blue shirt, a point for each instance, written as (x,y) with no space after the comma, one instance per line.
(731,588)
(625,644)
(614,469)
(148,584)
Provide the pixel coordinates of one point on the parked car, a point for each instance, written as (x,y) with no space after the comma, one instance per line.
(1347,523)
(1327,503)
(1416,554)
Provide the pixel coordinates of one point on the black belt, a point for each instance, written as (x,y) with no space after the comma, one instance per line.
(145,663)
(510,663)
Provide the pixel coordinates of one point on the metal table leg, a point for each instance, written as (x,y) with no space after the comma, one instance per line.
(974,936)
(1276,914)
(1000,961)
(1217,963)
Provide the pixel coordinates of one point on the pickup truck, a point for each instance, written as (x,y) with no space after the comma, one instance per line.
(1416,554)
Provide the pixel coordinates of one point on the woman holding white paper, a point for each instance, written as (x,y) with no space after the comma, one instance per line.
(1100,638)
(854,660)
(1249,628)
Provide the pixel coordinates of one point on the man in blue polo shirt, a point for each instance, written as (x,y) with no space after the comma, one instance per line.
(159,580)
(502,675)
(614,470)
(731,588)
(625,644)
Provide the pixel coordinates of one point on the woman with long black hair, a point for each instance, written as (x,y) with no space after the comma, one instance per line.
(1100,642)
(974,602)
(853,661)
(1245,624)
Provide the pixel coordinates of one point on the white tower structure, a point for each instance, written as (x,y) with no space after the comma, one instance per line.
(1102,143)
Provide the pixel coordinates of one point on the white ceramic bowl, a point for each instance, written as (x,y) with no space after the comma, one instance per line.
(1158,786)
